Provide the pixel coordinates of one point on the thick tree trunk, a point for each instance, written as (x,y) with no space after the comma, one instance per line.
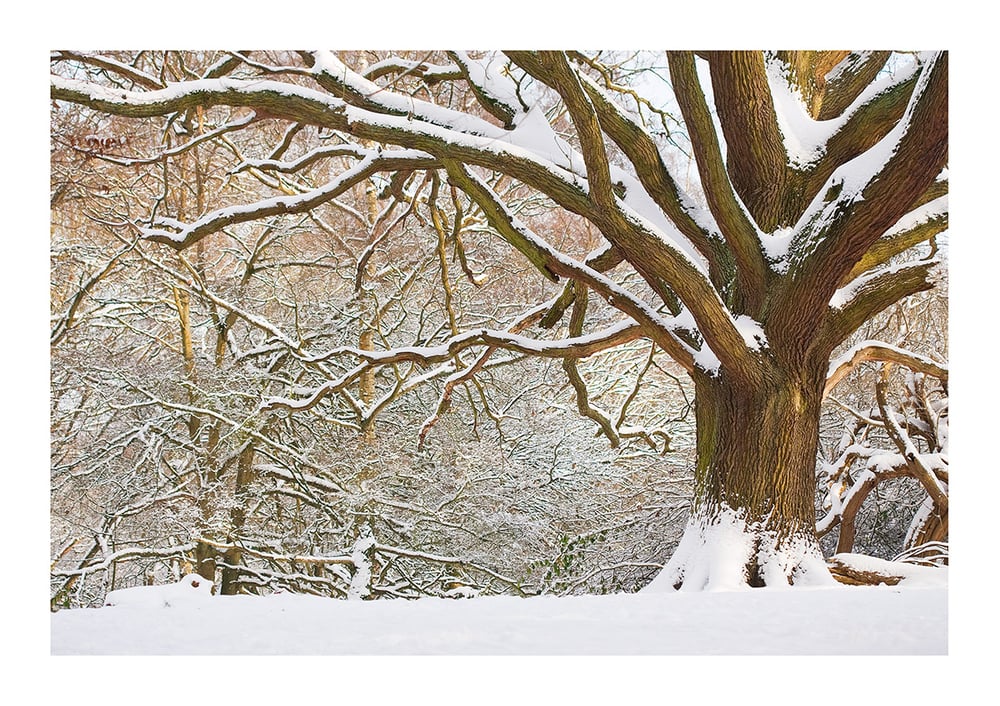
(753,520)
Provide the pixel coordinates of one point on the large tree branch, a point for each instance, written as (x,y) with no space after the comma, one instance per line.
(863,298)
(867,351)
(739,231)
(838,231)
(848,79)
(917,227)
(638,145)
(863,129)
(755,151)
(807,71)
(647,249)
(552,261)
(554,70)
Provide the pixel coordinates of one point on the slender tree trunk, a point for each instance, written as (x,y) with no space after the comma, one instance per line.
(753,520)
(237,519)
(369,310)
(205,560)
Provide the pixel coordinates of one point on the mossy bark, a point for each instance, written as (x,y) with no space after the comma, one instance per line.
(756,466)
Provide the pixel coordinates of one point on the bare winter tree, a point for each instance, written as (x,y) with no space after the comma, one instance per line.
(822,176)
(903,434)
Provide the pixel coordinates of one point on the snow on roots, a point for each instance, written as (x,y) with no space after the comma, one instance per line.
(190,589)
(714,552)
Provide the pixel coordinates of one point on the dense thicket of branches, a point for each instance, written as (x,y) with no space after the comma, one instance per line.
(268,265)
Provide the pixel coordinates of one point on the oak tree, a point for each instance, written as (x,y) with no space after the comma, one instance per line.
(820,179)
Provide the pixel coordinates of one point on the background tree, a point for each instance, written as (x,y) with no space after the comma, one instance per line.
(883,474)
(820,169)
(177,444)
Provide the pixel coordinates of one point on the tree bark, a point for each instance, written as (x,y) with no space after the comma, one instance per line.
(231,573)
(753,519)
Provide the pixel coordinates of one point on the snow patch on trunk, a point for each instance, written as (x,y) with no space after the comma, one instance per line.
(716,550)
(360,588)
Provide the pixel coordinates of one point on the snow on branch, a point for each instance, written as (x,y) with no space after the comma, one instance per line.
(659,184)
(340,80)
(278,98)
(441,559)
(133,74)
(282,205)
(806,138)
(917,464)
(526,319)
(399,67)
(305,160)
(495,91)
(877,178)
(579,347)
(872,292)
(872,350)
(178,550)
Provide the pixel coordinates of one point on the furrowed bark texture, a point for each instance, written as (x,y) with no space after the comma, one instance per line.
(756,454)
(757,447)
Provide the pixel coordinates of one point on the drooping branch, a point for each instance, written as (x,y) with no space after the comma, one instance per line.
(544,255)
(867,351)
(278,99)
(399,67)
(306,160)
(341,81)
(573,373)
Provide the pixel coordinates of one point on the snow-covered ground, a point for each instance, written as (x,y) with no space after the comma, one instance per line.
(881,620)
(376,642)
